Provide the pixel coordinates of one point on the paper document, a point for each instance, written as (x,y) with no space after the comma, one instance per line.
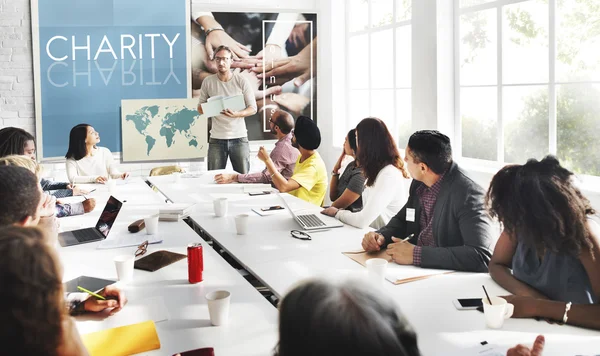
(395,273)
(269,212)
(126,240)
(216,104)
(122,341)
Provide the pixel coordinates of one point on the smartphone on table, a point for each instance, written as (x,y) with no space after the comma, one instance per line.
(276,207)
(467,304)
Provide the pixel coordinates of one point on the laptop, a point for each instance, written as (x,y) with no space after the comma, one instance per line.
(312,221)
(96,233)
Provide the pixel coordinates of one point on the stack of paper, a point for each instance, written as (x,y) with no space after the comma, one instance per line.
(174,212)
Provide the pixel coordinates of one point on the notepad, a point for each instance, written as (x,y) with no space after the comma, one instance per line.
(123,341)
(216,104)
(395,273)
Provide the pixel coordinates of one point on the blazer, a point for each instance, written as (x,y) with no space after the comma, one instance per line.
(462,229)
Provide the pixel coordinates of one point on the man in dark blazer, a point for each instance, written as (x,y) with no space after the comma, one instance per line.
(444,218)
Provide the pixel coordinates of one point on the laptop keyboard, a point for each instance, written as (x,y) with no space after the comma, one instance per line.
(86,235)
(311,220)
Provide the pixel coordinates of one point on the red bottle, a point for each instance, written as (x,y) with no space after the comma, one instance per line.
(195,262)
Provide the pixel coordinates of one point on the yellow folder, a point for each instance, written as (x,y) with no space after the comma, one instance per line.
(123,341)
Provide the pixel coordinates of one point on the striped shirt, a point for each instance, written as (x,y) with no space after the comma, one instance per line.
(427,197)
(284,157)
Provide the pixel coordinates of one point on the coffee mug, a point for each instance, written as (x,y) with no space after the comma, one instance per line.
(496,312)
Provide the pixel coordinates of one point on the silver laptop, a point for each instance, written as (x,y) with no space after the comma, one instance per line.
(312,221)
(97,233)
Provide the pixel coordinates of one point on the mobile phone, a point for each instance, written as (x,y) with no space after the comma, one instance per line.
(252,194)
(276,207)
(467,304)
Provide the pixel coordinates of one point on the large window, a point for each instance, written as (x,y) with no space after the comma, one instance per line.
(378,43)
(529,81)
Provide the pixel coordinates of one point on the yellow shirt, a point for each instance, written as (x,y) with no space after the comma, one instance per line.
(312,177)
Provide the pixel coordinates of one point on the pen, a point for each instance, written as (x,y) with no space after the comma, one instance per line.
(408,237)
(91,293)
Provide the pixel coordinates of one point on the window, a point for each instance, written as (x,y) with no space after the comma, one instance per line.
(378,46)
(529,81)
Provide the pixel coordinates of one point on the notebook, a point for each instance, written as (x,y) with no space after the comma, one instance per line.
(395,273)
(123,341)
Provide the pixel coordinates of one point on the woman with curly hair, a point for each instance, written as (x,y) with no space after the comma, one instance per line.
(34,319)
(548,255)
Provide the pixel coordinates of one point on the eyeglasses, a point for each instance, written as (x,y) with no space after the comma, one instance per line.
(141,250)
(224,59)
(300,235)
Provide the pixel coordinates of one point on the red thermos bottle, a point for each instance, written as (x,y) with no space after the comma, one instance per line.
(195,262)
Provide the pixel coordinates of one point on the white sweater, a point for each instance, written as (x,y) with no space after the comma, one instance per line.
(381,202)
(87,169)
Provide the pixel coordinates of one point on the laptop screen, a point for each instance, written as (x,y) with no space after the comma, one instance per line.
(108,216)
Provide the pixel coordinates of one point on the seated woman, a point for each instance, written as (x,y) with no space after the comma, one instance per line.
(34,318)
(86,162)
(380,161)
(16,141)
(345,190)
(319,318)
(548,253)
(55,207)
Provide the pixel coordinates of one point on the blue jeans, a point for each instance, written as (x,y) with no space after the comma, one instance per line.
(237,149)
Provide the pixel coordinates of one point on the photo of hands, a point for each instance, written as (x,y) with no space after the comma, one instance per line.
(275,52)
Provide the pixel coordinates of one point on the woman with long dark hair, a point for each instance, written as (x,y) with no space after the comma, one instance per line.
(386,177)
(86,162)
(548,255)
(345,191)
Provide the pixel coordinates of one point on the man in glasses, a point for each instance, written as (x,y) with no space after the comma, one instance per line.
(228,134)
(284,155)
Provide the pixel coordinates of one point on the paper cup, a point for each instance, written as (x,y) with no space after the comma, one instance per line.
(124,266)
(241,224)
(218,306)
(112,186)
(220,206)
(376,270)
(497,312)
(151,223)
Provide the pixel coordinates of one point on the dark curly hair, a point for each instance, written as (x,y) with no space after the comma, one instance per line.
(539,205)
(376,149)
(31,295)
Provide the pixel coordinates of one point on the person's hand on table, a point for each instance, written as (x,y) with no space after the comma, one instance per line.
(331,211)
(115,299)
(101,179)
(76,190)
(89,205)
(225,178)
(125,175)
(536,350)
(372,241)
(293,102)
(401,251)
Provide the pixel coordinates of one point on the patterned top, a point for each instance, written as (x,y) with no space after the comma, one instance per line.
(427,197)
(284,157)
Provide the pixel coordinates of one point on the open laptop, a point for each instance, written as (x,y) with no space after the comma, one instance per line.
(312,221)
(96,233)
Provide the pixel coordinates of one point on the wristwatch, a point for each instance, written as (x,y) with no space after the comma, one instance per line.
(209,30)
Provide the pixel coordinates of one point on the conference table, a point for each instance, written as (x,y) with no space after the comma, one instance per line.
(166,293)
(270,254)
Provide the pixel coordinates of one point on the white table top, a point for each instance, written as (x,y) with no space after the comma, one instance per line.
(252,327)
(280,262)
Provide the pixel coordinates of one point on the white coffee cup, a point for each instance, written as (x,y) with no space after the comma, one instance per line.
(218,306)
(112,186)
(151,223)
(376,269)
(241,224)
(177,177)
(495,313)
(220,206)
(124,265)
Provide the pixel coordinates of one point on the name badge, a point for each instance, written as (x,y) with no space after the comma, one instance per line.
(410,214)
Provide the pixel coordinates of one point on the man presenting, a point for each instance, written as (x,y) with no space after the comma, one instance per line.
(444,213)
(228,135)
(284,155)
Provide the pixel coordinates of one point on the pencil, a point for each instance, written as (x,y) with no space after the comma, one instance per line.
(91,293)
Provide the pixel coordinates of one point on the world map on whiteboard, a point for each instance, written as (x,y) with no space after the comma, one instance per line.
(162,129)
